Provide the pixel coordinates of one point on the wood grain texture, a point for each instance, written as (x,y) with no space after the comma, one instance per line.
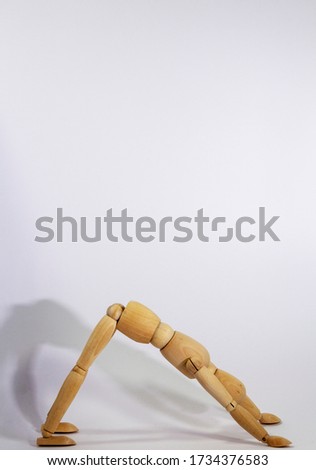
(234,386)
(162,335)
(138,322)
(66,395)
(99,338)
(268,418)
(180,349)
(249,423)
(213,386)
(191,358)
(65,428)
(55,441)
(277,441)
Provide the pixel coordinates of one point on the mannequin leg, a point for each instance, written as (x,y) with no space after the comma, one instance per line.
(207,378)
(238,392)
(99,338)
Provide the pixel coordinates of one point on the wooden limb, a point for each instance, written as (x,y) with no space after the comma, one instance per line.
(255,428)
(66,395)
(214,387)
(99,338)
(238,391)
(211,383)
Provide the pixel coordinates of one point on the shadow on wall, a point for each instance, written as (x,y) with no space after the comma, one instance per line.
(47,322)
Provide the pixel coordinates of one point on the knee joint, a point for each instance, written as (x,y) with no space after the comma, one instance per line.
(79,370)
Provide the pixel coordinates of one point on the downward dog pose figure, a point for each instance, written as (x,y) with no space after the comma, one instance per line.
(140,324)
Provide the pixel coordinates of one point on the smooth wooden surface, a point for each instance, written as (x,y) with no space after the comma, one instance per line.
(249,405)
(227,392)
(66,395)
(162,335)
(98,339)
(180,349)
(253,427)
(277,441)
(238,391)
(191,358)
(138,322)
(55,441)
(249,423)
(232,385)
(268,418)
(213,386)
(115,311)
(65,428)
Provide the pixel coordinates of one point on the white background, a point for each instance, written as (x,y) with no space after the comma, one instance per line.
(160,107)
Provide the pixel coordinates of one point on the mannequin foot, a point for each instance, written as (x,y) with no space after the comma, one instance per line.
(49,439)
(276,441)
(65,428)
(268,418)
(55,441)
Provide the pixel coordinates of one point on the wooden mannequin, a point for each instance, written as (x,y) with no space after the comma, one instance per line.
(140,324)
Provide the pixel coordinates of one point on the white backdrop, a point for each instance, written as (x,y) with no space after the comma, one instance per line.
(163,108)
